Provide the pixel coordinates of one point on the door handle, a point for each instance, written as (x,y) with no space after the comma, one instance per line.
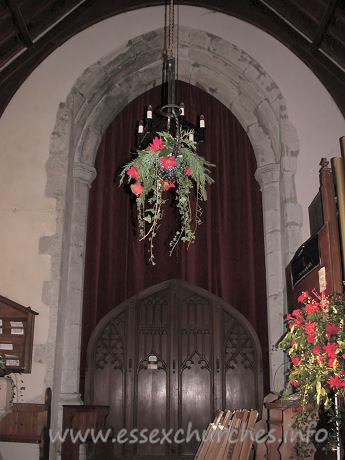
(173,366)
(217,364)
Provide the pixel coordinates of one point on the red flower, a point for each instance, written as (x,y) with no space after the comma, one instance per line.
(295,383)
(331,361)
(330,349)
(292,343)
(297,313)
(167,185)
(187,171)
(136,188)
(309,327)
(343,356)
(303,296)
(316,350)
(310,338)
(288,317)
(157,144)
(133,173)
(311,307)
(168,161)
(295,360)
(297,323)
(336,382)
(331,329)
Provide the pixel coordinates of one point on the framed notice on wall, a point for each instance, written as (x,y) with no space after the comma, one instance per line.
(16,335)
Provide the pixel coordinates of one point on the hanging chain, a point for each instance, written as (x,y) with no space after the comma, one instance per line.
(171,30)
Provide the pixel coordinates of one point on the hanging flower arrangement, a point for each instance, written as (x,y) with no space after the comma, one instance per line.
(315,343)
(161,167)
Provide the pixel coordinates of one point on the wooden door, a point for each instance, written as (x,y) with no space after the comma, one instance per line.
(168,358)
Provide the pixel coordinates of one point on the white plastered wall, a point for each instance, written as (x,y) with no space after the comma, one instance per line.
(27,215)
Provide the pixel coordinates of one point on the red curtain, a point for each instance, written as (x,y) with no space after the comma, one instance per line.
(227,258)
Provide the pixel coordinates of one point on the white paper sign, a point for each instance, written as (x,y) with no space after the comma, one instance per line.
(322,279)
(6,346)
(17,331)
(12,362)
(16,324)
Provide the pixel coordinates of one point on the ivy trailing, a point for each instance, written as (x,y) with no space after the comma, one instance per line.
(161,167)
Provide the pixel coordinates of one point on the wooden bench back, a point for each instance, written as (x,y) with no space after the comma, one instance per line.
(228,436)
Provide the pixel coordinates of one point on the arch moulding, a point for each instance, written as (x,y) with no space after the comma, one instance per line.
(100,93)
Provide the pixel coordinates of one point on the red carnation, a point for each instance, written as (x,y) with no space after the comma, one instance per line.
(167,162)
(295,383)
(187,171)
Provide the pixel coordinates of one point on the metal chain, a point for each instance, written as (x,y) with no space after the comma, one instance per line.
(171,30)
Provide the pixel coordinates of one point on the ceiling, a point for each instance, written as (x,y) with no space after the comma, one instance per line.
(312,29)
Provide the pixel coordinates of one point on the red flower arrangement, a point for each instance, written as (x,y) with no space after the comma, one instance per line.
(162,166)
(315,343)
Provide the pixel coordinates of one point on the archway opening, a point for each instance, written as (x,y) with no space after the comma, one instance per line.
(228,257)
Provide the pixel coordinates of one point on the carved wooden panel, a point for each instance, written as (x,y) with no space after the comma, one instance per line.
(109,370)
(195,336)
(240,366)
(169,358)
(151,402)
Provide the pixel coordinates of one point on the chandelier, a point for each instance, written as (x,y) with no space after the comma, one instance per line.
(170,117)
(166,161)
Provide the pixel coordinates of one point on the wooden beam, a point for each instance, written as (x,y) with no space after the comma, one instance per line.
(19,19)
(253,11)
(324,24)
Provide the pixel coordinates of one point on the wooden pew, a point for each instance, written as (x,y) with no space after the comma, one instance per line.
(30,423)
(228,426)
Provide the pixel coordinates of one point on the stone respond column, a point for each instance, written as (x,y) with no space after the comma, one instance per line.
(268,177)
(83,175)
(67,356)
(291,209)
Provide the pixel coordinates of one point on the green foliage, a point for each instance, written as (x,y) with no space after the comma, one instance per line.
(315,344)
(153,175)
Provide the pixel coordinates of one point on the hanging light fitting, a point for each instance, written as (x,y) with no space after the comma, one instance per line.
(170,117)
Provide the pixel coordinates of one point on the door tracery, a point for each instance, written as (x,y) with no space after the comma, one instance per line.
(169,357)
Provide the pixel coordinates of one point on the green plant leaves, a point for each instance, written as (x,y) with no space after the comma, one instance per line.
(190,171)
